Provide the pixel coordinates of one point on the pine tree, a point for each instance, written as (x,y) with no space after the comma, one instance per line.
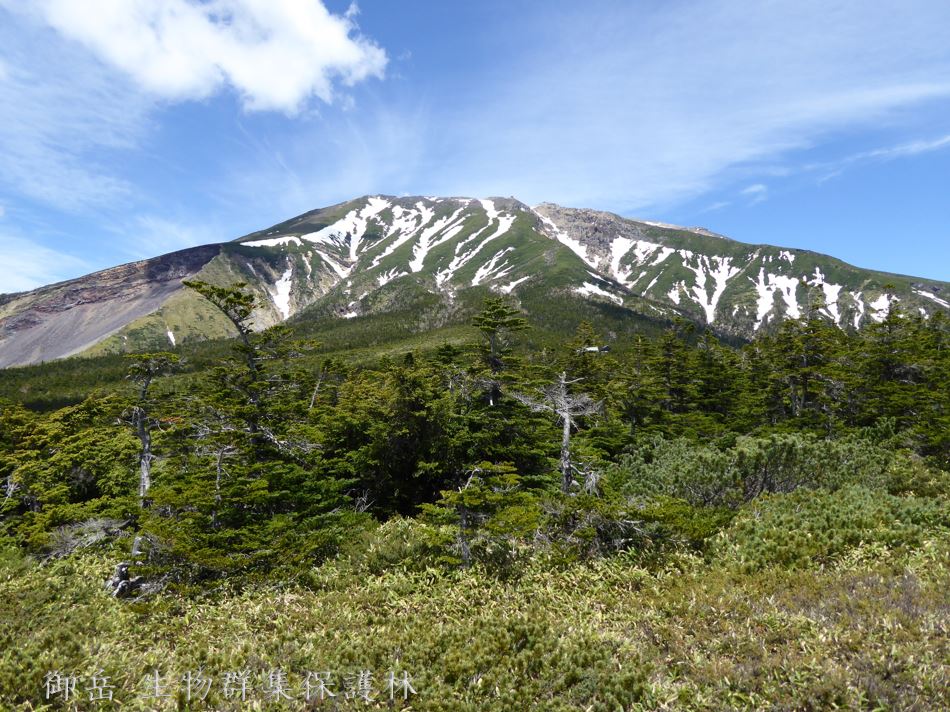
(497,321)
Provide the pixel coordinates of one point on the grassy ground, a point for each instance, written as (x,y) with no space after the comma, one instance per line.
(870,633)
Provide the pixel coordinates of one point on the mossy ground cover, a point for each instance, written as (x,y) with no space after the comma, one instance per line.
(869,632)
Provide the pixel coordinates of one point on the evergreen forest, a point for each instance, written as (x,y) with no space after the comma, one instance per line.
(517,518)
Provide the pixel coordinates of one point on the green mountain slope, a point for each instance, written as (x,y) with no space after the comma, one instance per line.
(375,254)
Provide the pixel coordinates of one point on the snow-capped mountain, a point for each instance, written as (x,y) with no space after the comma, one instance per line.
(354,258)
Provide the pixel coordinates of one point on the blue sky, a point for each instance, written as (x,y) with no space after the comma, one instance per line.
(152,125)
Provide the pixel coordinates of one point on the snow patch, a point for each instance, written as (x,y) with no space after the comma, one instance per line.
(506,288)
(492,269)
(171,336)
(590,289)
(720,269)
(461,258)
(859,303)
(880,306)
(574,245)
(661,255)
(766,285)
(389,276)
(932,297)
(274,242)
(425,244)
(765,298)
(618,248)
(340,270)
(281,293)
(831,293)
(831,300)
(347,233)
(404,225)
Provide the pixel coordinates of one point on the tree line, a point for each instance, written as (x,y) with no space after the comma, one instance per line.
(265,463)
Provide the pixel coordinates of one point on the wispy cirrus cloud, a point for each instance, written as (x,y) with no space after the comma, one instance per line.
(61,116)
(831,169)
(28,264)
(148,235)
(671,98)
(755,193)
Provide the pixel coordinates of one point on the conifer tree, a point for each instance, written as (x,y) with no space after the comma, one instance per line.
(497,321)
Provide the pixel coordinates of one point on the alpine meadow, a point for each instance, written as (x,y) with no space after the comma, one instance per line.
(418,451)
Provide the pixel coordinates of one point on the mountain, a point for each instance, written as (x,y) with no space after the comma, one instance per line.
(364,256)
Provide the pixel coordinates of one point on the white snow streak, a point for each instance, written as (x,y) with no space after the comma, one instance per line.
(281,293)
(461,259)
(422,248)
(831,292)
(334,265)
(574,245)
(588,289)
(389,276)
(353,227)
(618,248)
(932,297)
(766,285)
(511,285)
(721,274)
(405,224)
(273,242)
(765,300)
(171,336)
(831,300)
(859,303)
(486,270)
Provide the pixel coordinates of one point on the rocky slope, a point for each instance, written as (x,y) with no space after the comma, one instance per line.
(350,259)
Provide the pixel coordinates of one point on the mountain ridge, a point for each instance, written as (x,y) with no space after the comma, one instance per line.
(342,259)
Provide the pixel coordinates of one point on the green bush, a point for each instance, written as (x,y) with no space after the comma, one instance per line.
(678,520)
(705,476)
(803,528)
(399,543)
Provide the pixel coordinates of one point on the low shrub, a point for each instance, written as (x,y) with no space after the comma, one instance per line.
(805,528)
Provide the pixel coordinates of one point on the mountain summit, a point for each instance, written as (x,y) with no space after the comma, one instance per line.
(353,259)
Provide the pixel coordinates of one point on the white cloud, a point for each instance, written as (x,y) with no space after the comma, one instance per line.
(902,150)
(757,192)
(275,53)
(27,265)
(908,149)
(718,205)
(832,169)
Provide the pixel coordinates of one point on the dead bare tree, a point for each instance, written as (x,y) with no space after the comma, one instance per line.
(146,368)
(557,399)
